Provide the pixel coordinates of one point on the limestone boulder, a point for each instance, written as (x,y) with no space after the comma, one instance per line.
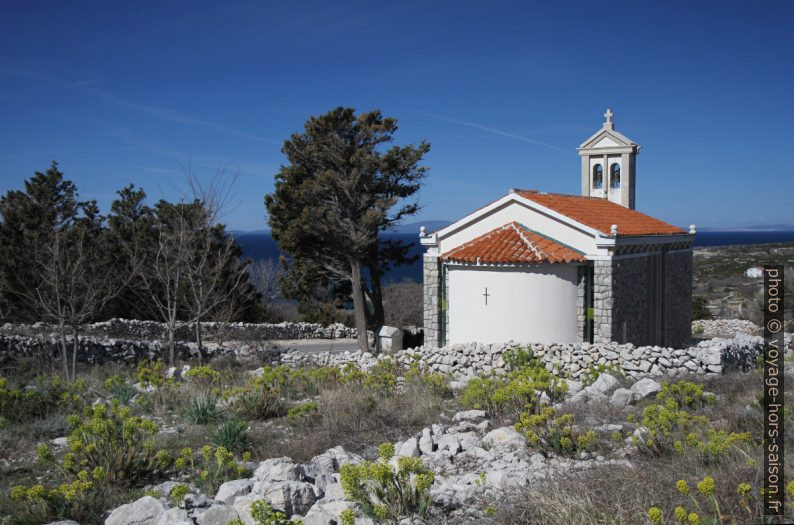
(469,415)
(290,497)
(605,384)
(219,514)
(621,397)
(144,511)
(333,459)
(504,437)
(279,469)
(230,490)
(645,388)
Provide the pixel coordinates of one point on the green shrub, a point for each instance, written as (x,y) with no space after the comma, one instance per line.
(232,435)
(38,400)
(210,466)
(151,373)
(347,517)
(591,373)
(256,400)
(119,389)
(704,505)
(555,433)
(433,381)
(385,493)
(81,499)
(516,358)
(202,410)
(111,439)
(519,391)
(302,412)
(107,448)
(686,394)
(671,424)
(203,377)
(177,494)
(264,514)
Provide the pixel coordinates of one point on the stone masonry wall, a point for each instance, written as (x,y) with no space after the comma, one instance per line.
(463,362)
(678,304)
(630,300)
(602,301)
(581,301)
(211,331)
(431,299)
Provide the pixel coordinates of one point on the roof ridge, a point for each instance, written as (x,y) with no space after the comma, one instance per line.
(531,245)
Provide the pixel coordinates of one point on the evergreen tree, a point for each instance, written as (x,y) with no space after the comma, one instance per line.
(339,190)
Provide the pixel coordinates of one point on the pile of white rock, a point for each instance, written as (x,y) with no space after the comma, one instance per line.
(310,491)
(724,327)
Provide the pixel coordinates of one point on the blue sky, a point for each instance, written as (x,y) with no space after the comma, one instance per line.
(122,92)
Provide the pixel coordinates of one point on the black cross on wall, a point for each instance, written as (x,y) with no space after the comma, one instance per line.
(486,295)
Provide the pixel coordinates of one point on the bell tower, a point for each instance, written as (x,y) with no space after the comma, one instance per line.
(609,164)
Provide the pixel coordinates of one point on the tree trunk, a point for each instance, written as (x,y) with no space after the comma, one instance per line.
(358,305)
(171,345)
(198,340)
(75,348)
(64,353)
(376,296)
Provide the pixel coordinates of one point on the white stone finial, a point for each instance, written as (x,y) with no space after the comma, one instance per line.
(692,229)
(613,231)
(422,231)
(608,116)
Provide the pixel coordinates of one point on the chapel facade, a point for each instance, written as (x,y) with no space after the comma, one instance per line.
(539,267)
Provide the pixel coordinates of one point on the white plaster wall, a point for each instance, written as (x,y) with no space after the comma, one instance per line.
(536,304)
(523,214)
(605,142)
(614,193)
(593,191)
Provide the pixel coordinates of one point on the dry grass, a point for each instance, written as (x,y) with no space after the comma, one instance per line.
(357,419)
(621,495)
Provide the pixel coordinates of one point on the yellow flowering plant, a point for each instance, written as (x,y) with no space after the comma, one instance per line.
(552,433)
(386,493)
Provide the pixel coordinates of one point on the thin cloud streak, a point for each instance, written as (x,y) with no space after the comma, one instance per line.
(495,131)
(166,114)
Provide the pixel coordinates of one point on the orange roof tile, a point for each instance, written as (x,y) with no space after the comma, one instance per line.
(512,244)
(601,214)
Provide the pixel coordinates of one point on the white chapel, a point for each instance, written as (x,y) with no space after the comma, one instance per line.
(541,267)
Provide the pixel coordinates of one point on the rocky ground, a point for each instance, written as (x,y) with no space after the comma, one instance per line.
(473,458)
(719,277)
(484,467)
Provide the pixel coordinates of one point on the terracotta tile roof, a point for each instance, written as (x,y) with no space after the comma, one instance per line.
(513,244)
(601,214)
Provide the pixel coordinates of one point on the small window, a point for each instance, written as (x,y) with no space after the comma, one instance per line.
(598,177)
(614,176)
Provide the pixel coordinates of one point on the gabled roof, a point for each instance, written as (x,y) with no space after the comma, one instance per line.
(600,214)
(617,139)
(513,243)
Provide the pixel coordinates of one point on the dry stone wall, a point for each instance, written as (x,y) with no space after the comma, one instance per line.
(152,330)
(465,361)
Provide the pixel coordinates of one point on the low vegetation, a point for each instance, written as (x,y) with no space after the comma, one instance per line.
(694,447)
(698,460)
(126,429)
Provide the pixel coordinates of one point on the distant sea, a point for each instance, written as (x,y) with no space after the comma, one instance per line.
(260,245)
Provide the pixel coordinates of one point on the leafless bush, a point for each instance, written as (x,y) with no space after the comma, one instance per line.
(402,303)
(264,275)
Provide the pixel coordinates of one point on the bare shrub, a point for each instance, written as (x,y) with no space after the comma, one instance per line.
(402,303)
